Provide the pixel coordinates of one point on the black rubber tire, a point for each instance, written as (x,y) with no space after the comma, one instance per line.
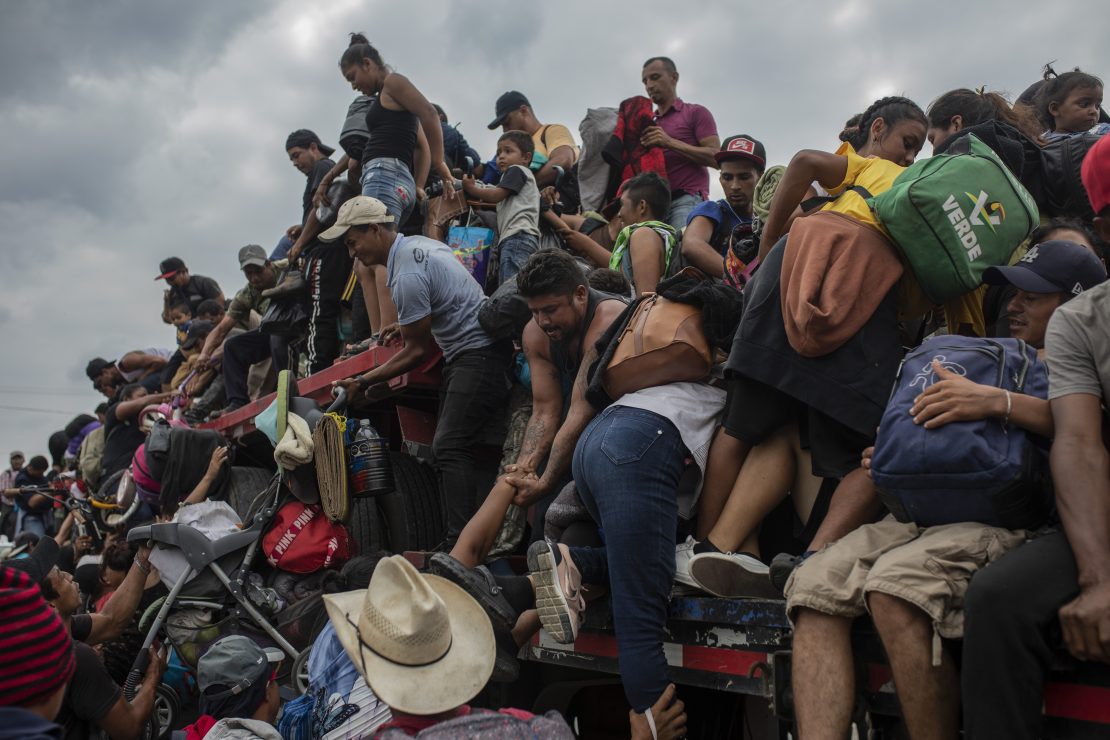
(413,512)
(298,674)
(111,483)
(245,486)
(167,710)
(364,523)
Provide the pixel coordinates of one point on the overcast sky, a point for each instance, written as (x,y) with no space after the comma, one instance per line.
(138,129)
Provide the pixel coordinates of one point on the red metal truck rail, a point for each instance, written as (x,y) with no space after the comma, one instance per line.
(318,387)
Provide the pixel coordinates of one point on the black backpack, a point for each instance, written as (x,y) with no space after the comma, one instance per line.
(1063,194)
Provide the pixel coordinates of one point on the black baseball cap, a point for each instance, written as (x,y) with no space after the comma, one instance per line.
(198,330)
(1055,266)
(506,104)
(170,267)
(304,138)
(40,562)
(742,147)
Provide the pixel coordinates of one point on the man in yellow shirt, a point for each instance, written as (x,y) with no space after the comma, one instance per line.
(553,141)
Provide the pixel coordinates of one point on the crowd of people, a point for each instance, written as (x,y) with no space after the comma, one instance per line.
(636,487)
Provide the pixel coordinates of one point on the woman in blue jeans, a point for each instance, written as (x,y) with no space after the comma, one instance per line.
(399,118)
(627,466)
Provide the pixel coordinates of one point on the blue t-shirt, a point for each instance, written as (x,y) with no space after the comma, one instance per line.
(426,279)
(715,211)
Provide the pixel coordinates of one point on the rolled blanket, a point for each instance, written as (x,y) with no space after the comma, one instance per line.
(295,448)
(765,191)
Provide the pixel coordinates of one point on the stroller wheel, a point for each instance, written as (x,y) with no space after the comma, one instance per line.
(167,711)
(298,675)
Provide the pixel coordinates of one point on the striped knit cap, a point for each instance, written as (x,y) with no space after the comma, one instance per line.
(36,651)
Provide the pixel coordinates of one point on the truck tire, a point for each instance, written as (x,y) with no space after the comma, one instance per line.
(365,527)
(244,487)
(414,512)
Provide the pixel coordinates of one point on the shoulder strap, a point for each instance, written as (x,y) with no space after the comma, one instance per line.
(543,135)
(817,201)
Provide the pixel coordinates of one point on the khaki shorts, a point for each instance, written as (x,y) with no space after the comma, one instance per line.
(928,567)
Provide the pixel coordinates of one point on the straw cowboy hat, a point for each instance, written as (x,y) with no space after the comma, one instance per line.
(422,644)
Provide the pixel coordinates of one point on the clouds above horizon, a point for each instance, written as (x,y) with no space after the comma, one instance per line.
(139,129)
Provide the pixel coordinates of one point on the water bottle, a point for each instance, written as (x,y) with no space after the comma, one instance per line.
(371,472)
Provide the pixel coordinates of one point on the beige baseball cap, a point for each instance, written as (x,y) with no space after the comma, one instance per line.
(360,210)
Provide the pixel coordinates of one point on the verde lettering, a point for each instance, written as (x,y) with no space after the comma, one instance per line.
(963,229)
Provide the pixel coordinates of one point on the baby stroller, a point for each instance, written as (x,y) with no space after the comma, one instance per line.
(214,597)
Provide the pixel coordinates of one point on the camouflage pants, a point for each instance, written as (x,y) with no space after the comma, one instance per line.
(512,529)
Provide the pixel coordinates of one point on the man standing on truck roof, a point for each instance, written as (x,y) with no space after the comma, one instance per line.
(437,304)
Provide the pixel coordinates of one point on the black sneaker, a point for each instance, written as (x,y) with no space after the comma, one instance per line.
(782,566)
(479,583)
(230,408)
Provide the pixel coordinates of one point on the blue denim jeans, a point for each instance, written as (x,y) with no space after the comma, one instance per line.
(390,181)
(626,467)
(515,251)
(680,209)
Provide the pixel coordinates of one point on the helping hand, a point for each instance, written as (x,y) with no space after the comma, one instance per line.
(529,489)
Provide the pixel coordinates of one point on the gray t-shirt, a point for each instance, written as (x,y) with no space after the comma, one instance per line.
(1077,346)
(520,212)
(426,279)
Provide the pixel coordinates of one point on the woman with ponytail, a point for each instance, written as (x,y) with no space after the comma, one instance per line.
(400,121)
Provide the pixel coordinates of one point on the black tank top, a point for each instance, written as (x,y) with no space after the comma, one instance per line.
(560,351)
(392,134)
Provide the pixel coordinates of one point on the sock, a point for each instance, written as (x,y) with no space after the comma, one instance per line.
(518,591)
(705,546)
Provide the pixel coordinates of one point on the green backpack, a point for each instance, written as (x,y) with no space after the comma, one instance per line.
(954,215)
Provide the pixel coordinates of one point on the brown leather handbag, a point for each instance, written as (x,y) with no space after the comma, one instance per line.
(663,343)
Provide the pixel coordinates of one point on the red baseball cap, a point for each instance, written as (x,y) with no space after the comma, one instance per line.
(1096,175)
(742,147)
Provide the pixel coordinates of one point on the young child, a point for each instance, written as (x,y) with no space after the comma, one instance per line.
(210,310)
(180,315)
(517,199)
(645,246)
(1070,104)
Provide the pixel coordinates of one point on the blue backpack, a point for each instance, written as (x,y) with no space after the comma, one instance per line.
(975,471)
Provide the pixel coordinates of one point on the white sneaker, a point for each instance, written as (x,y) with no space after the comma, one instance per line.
(731,575)
(683,551)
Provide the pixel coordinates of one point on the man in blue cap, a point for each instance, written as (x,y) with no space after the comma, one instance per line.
(913,580)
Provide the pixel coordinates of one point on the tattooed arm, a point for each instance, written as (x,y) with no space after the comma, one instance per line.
(547,400)
(531,489)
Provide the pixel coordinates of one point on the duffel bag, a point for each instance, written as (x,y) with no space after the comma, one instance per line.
(303,540)
(984,471)
(953,215)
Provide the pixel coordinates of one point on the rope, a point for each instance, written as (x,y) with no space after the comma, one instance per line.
(765,191)
(331,465)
